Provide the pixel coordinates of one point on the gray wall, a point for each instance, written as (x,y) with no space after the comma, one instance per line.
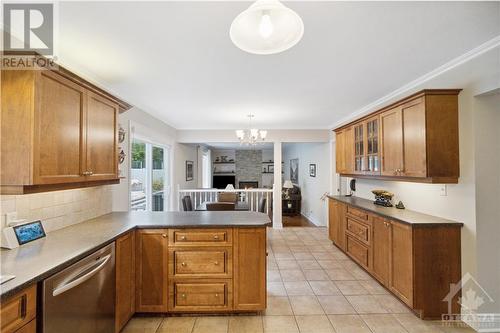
(249,166)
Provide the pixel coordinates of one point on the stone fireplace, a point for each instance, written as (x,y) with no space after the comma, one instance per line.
(248,184)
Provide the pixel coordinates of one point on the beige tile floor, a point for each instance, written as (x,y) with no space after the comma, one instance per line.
(312,288)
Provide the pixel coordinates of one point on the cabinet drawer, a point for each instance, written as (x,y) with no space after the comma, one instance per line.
(197,237)
(359,230)
(358,251)
(18,310)
(360,214)
(201,262)
(207,295)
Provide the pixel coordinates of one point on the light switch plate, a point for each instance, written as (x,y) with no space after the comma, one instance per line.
(443,191)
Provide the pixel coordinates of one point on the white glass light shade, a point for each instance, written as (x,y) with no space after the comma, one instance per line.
(229,187)
(240,134)
(263,134)
(266,27)
(254,133)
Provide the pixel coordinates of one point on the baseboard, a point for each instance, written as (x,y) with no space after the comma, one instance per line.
(313,220)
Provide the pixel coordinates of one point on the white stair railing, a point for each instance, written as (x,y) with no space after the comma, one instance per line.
(251,196)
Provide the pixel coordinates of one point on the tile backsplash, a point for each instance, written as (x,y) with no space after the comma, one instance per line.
(59,209)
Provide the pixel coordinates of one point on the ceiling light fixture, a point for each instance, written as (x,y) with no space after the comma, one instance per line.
(266,27)
(251,136)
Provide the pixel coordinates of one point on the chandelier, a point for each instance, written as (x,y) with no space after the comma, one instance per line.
(266,27)
(251,136)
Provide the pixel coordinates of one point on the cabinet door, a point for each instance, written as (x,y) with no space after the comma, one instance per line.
(372,165)
(392,142)
(58,130)
(414,142)
(359,148)
(348,151)
(340,151)
(125,279)
(151,270)
(101,149)
(381,249)
(250,291)
(401,277)
(336,222)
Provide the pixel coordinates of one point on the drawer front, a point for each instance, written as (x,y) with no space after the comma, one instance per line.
(205,262)
(359,230)
(360,214)
(358,251)
(198,237)
(207,295)
(18,310)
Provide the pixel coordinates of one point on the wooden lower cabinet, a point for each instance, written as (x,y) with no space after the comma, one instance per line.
(250,269)
(336,222)
(18,312)
(401,257)
(125,279)
(202,270)
(416,262)
(151,270)
(381,249)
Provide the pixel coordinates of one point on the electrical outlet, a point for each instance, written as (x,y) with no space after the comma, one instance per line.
(443,190)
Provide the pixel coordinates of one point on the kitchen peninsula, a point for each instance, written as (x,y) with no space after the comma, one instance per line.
(165,262)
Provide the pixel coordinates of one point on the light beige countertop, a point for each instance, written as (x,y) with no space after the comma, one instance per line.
(35,261)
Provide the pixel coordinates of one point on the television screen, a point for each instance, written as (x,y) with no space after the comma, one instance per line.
(220,182)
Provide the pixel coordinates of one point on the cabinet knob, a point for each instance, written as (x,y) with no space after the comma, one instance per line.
(183,237)
(216,263)
(183,295)
(164,235)
(183,264)
(216,236)
(216,295)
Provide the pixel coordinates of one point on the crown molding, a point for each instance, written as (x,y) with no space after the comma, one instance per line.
(458,61)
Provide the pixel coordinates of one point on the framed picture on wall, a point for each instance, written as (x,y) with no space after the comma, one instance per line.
(270,168)
(189,170)
(294,170)
(312,170)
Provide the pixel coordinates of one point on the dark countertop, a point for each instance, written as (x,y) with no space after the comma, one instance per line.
(42,258)
(401,215)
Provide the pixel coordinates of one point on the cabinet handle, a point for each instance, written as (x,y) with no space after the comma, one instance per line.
(164,235)
(91,173)
(183,264)
(86,173)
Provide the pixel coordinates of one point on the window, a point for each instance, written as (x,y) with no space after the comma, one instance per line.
(148,176)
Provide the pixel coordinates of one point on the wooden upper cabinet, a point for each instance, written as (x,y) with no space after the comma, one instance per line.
(344,151)
(392,142)
(101,129)
(57,132)
(415,139)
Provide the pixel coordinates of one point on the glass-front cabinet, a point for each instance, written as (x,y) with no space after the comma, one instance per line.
(367,147)
(372,146)
(359,148)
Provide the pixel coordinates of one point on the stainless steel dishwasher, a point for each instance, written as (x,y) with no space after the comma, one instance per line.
(81,298)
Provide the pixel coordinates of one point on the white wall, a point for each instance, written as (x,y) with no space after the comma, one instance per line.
(487,159)
(312,188)
(183,153)
(140,124)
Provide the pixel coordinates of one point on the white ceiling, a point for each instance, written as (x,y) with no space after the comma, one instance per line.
(175,59)
(237,146)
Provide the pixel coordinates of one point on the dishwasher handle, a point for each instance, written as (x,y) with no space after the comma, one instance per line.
(61,289)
